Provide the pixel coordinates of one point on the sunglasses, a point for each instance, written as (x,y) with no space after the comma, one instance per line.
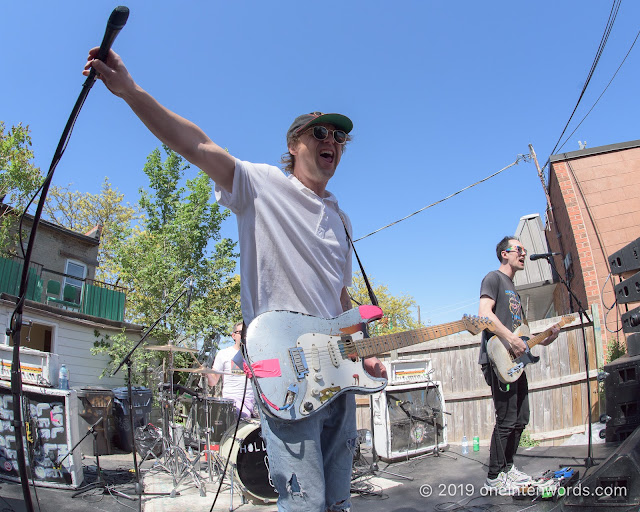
(321,133)
(520,250)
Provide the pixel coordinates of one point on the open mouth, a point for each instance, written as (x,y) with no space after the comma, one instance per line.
(327,155)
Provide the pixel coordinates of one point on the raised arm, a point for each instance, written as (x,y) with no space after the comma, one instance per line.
(175,131)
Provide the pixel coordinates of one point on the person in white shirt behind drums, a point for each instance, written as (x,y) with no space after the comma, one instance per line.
(234,382)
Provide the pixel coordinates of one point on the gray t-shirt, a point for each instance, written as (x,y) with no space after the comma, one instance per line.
(499,287)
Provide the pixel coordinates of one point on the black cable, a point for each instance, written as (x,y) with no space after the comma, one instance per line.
(603,41)
(235,432)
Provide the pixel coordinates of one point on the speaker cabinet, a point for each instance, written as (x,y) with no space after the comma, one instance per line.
(622,394)
(407,418)
(52,416)
(613,484)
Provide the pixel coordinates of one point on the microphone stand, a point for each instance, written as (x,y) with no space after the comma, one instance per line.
(117,20)
(437,452)
(589,461)
(127,360)
(100,482)
(373,467)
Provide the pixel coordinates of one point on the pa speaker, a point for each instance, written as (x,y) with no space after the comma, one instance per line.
(622,393)
(612,485)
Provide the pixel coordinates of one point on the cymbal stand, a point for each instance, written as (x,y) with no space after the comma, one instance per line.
(177,458)
(207,430)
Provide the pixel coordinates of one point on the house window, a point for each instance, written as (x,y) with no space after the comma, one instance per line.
(36,336)
(76,273)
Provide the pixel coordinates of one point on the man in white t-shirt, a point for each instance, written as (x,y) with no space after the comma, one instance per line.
(234,382)
(294,255)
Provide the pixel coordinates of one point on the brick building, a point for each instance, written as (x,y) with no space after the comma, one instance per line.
(595,211)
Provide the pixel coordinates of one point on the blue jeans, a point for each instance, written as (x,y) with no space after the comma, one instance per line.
(310,460)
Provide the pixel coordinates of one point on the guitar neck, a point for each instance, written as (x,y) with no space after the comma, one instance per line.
(380,344)
(532,342)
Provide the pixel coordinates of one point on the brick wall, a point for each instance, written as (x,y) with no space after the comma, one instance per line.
(596,211)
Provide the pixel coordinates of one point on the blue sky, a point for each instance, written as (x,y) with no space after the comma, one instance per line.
(442,94)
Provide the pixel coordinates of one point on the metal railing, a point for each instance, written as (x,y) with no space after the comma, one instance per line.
(46,286)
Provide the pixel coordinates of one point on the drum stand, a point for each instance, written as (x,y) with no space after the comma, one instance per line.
(176,460)
(207,432)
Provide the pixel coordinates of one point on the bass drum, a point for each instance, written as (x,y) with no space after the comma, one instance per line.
(249,457)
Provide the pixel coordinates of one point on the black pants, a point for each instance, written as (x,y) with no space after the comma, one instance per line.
(512,416)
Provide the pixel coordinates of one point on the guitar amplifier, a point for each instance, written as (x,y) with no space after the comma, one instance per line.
(406,371)
(52,419)
(38,368)
(407,419)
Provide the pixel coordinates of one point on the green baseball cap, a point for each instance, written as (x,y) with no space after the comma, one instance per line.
(306,120)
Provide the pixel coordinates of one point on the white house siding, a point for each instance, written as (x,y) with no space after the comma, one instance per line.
(73,344)
(72,340)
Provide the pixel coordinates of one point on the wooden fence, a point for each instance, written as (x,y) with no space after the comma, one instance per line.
(557,383)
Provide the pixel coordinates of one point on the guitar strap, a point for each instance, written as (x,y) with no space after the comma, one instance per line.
(372,296)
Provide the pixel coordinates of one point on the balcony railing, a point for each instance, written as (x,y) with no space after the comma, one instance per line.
(47,286)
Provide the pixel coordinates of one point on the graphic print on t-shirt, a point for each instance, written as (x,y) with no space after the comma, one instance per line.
(515,308)
(236,370)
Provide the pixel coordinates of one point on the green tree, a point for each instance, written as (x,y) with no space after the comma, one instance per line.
(179,239)
(397,308)
(82,212)
(19,178)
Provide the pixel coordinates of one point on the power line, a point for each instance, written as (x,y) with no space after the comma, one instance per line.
(603,41)
(520,157)
(602,93)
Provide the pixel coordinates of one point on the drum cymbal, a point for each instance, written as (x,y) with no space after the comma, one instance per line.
(171,348)
(200,370)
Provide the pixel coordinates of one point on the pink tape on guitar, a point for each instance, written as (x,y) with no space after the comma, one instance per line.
(369,312)
(264,368)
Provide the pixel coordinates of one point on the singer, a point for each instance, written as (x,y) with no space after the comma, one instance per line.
(294,256)
(500,303)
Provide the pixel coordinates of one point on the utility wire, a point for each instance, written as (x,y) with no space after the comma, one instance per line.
(602,93)
(520,157)
(603,41)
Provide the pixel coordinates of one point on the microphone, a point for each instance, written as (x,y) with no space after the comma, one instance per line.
(189,291)
(535,257)
(117,20)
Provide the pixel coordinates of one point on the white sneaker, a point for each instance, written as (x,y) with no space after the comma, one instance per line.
(500,486)
(517,477)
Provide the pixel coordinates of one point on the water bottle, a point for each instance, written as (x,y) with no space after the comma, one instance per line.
(367,439)
(476,444)
(465,445)
(63,378)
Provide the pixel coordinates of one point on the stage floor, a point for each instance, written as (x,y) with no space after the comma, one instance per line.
(421,483)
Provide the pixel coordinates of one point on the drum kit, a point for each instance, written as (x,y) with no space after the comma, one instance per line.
(200,430)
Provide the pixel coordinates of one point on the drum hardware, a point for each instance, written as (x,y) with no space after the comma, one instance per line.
(170,348)
(201,370)
(175,458)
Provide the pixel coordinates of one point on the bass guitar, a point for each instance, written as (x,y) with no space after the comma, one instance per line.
(508,368)
(301,363)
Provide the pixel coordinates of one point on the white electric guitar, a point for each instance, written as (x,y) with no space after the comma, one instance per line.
(301,363)
(509,368)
